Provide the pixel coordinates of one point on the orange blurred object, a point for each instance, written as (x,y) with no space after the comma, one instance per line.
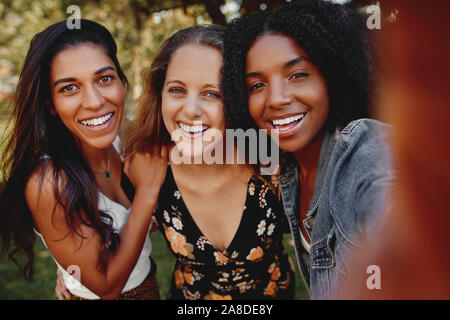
(412,249)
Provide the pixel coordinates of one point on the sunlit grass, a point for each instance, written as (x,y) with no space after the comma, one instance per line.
(14,286)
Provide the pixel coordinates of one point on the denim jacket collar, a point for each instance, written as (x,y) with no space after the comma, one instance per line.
(328,142)
(290,189)
(290,168)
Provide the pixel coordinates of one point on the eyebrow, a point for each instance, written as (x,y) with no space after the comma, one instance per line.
(294,61)
(183,84)
(70,79)
(286,65)
(101,70)
(176,81)
(211,85)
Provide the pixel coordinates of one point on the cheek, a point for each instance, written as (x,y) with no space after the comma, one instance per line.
(324,103)
(167,112)
(66,108)
(116,94)
(315,97)
(219,116)
(121,97)
(256,108)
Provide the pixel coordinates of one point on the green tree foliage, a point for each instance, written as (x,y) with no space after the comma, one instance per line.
(139,26)
(138,35)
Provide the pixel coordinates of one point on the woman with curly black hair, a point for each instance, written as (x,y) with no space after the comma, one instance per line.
(303,74)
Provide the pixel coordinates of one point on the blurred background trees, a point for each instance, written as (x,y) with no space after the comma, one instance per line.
(139,27)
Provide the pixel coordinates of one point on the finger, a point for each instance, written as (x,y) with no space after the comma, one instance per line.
(156,149)
(164,151)
(126,165)
(126,158)
(62,291)
(67,295)
(58,295)
(147,148)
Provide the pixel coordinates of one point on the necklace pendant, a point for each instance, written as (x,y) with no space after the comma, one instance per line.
(107,174)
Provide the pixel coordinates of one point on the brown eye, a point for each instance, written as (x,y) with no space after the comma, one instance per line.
(69,88)
(256,86)
(105,79)
(298,75)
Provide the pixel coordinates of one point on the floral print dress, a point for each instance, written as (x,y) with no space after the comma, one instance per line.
(254,266)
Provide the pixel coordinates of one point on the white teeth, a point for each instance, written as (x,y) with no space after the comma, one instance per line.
(279,122)
(97,121)
(192,129)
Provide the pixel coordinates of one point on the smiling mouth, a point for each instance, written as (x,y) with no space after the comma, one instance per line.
(192,129)
(286,123)
(96,122)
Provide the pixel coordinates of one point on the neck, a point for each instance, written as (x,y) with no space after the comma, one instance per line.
(206,171)
(308,160)
(95,157)
(203,169)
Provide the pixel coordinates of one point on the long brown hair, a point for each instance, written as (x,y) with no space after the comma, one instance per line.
(36,133)
(148,127)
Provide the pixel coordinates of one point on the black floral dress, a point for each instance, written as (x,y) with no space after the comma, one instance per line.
(254,266)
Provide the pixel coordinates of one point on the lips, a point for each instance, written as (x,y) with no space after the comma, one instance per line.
(193,130)
(281,123)
(288,125)
(98,121)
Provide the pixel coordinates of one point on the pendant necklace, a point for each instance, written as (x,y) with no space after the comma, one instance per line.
(106,172)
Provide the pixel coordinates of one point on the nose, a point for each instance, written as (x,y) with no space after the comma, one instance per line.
(92,98)
(192,108)
(278,94)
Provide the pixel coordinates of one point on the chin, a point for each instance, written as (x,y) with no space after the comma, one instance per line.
(101,142)
(291,146)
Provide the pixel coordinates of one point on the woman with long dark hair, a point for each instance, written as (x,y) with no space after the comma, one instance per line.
(63,173)
(303,74)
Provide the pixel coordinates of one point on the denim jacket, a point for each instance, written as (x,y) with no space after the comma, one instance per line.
(352,183)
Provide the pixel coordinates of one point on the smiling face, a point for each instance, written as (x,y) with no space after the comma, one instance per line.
(288,95)
(192,107)
(87,94)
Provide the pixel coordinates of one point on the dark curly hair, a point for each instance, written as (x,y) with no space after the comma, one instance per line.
(335,38)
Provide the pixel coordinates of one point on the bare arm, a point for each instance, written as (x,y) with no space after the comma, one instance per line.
(73,250)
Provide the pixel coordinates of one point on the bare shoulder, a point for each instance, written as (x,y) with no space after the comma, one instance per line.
(41,182)
(40,192)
